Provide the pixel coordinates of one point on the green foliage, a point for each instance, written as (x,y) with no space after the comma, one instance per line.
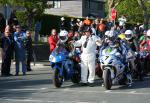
(21,16)
(34,9)
(50,22)
(131,9)
(9,2)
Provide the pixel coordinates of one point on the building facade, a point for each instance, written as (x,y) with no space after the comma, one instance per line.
(93,8)
(77,8)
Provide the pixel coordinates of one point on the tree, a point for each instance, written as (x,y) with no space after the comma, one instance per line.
(33,8)
(145,12)
(130,8)
(112,4)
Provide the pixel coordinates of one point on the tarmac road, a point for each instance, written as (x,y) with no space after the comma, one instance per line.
(37,87)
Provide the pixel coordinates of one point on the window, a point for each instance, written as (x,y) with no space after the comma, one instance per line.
(87,4)
(56,3)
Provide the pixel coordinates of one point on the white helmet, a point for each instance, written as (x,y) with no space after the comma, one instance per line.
(63,36)
(128,34)
(148,33)
(111,35)
(106,33)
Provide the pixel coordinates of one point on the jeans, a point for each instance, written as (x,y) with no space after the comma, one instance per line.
(23,66)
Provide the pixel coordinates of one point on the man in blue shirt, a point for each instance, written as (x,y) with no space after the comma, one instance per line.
(19,38)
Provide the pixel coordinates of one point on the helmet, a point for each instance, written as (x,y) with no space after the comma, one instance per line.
(87,29)
(111,35)
(145,32)
(128,34)
(63,36)
(148,33)
(106,33)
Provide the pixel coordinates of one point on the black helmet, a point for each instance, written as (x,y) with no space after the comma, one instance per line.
(87,29)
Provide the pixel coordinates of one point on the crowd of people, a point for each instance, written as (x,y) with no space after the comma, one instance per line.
(90,35)
(16,44)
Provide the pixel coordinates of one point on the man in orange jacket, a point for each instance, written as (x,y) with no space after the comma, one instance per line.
(87,22)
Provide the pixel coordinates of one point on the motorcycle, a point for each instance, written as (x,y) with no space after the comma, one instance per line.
(64,67)
(112,66)
(144,57)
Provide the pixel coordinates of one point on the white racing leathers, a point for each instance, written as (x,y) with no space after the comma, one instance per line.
(88,57)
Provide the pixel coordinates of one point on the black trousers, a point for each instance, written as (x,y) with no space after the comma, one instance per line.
(28,61)
(5,67)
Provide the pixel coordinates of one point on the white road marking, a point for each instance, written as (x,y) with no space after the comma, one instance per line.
(108,92)
(26,89)
(132,92)
(43,88)
(104,102)
(41,101)
(77,91)
(16,81)
(22,100)
(32,64)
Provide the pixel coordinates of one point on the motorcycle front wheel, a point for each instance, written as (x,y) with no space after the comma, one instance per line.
(107,79)
(57,79)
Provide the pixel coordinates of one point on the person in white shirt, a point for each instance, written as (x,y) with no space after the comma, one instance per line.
(88,45)
(122,21)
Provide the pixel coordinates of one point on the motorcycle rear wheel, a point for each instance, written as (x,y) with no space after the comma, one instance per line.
(76,77)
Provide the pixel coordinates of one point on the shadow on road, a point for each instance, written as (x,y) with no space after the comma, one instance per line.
(136,84)
(16,88)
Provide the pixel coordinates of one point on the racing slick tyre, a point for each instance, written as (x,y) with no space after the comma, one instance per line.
(107,79)
(57,79)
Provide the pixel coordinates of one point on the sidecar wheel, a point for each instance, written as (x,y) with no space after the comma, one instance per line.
(57,79)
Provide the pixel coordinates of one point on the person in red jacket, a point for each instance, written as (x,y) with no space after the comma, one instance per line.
(52,39)
(146,47)
(146,43)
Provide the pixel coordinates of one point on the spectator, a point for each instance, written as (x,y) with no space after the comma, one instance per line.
(93,28)
(13,19)
(76,36)
(72,25)
(87,22)
(7,45)
(101,28)
(37,30)
(52,39)
(80,26)
(96,21)
(19,38)
(137,30)
(29,50)
(63,24)
(2,24)
(122,21)
(10,28)
(109,24)
(78,23)
(70,36)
